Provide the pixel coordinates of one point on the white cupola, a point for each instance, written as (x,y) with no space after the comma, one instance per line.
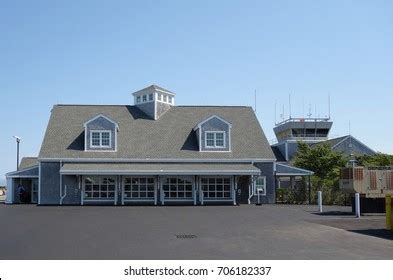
(154,101)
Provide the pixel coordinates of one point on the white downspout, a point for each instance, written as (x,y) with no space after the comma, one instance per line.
(250,190)
(63,196)
(234,190)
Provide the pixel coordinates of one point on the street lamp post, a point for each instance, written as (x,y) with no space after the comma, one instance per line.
(18,139)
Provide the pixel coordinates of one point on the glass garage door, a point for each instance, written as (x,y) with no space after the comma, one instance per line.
(97,188)
(216,188)
(177,188)
(139,188)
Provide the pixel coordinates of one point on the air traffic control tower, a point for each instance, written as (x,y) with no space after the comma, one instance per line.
(289,132)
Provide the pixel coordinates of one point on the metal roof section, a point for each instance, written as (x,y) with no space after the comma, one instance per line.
(157,169)
(287,170)
(31,172)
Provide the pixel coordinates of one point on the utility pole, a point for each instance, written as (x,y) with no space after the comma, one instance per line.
(18,139)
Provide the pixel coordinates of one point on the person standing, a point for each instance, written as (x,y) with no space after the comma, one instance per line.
(22,193)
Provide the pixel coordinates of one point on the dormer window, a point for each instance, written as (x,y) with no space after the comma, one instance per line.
(144,99)
(150,97)
(214,135)
(215,139)
(100,139)
(101,134)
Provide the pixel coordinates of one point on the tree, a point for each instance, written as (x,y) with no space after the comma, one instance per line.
(378,159)
(326,165)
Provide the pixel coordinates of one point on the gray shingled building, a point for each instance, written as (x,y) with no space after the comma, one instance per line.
(150,153)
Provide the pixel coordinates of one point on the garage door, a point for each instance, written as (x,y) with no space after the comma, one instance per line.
(177,188)
(99,188)
(139,188)
(216,188)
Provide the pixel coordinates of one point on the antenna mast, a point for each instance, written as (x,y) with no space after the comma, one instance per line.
(255,101)
(290,107)
(275,112)
(329,105)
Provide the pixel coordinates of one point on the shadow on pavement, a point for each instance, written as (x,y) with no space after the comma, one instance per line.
(335,213)
(381,233)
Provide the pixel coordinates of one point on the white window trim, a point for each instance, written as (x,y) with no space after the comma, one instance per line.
(215,140)
(255,185)
(100,183)
(100,146)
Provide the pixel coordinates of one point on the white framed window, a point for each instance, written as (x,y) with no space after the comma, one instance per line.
(216,188)
(260,185)
(165,98)
(99,188)
(138,99)
(139,188)
(170,99)
(177,188)
(150,97)
(215,139)
(100,138)
(144,98)
(159,97)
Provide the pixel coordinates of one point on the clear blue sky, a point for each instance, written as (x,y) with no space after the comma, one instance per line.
(208,52)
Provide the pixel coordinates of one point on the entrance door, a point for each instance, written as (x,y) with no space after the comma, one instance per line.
(242,192)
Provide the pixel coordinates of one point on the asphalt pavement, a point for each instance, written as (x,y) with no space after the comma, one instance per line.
(203,232)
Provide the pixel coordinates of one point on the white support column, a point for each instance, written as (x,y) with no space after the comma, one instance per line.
(234,184)
(39,183)
(162,196)
(201,194)
(156,187)
(194,189)
(10,191)
(122,190)
(357,205)
(320,202)
(80,187)
(83,192)
(116,190)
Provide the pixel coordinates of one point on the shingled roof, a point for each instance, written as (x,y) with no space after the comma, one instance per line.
(170,137)
(28,162)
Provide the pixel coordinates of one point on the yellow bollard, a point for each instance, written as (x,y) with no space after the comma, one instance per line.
(388,201)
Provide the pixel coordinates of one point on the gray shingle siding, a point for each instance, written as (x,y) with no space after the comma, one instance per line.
(161,109)
(215,125)
(267,169)
(100,124)
(50,183)
(148,109)
(73,196)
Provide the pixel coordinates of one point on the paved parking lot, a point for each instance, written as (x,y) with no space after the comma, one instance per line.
(216,232)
